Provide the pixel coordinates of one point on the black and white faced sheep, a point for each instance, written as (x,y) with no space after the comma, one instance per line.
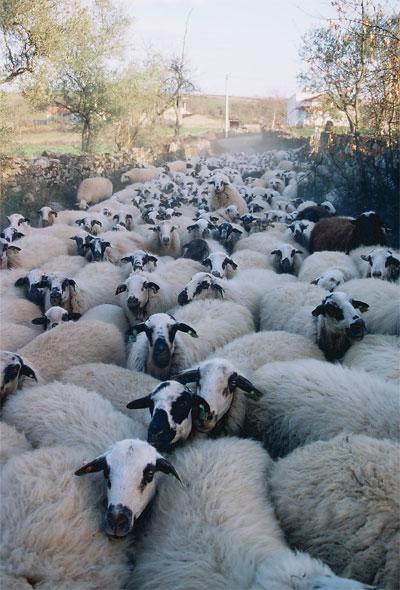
(219,264)
(382,264)
(170,405)
(12,370)
(47,216)
(55,316)
(286,259)
(196,250)
(141,260)
(96,249)
(31,282)
(11,234)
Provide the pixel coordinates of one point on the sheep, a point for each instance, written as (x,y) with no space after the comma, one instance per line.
(220,543)
(68,415)
(314,213)
(74,343)
(300,232)
(47,216)
(11,234)
(18,221)
(18,311)
(176,166)
(135,175)
(54,316)
(381,264)
(94,285)
(259,242)
(251,351)
(141,260)
(58,290)
(334,323)
(13,336)
(56,539)
(35,250)
(377,354)
(30,282)
(93,190)
(92,224)
(200,229)
(330,279)
(319,262)
(13,369)
(220,265)
(383,316)
(286,259)
(165,241)
(228,234)
(337,233)
(307,400)
(224,194)
(217,382)
(109,314)
(65,264)
(8,254)
(12,442)
(115,383)
(340,500)
(215,323)
(246,259)
(146,293)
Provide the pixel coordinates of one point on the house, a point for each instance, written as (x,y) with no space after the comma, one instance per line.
(309,110)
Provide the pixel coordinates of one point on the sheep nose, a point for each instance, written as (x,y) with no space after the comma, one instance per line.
(377,274)
(165,241)
(118,520)
(357,329)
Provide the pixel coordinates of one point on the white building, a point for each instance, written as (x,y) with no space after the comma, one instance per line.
(307,110)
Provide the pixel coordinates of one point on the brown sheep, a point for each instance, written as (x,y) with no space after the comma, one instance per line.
(338,233)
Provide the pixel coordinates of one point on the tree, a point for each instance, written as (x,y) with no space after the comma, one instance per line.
(354,59)
(179,80)
(30,33)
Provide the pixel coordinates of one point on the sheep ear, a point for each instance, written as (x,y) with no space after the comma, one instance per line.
(21,282)
(299,251)
(393,261)
(246,386)
(217,287)
(314,282)
(237,231)
(74,316)
(166,467)
(363,307)
(54,213)
(153,286)
(231,263)
(319,310)
(191,227)
(28,372)
(72,284)
(98,464)
(154,228)
(126,259)
(120,289)
(274,252)
(18,235)
(39,321)
(65,317)
(188,329)
(207,262)
(366,258)
(141,403)
(14,248)
(191,376)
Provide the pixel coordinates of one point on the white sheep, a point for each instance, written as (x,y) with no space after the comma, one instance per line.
(53,317)
(330,279)
(74,343)
(286,259)
(109,314)
(333,320)
(212,323)
(94,285)
(135,175)
(13,370)
(383,315)
(306,400)
(18,311)
(117,384)
(220,265)
(35,250)
(93,190)
(165,241)
(12,442)
(19,222)
(217,541)
(47,216)
(224,194)
(378,354)
(380,263)
(251,351)
(13,336)
(69,265)
(319,262)
(56,539)
(340,500)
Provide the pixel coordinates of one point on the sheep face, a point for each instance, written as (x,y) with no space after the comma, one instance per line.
(284,258)
(131,468)
(329,207)
(47,216)
(330,279)
(96,248)
(59,288)
(369,229)
(92,226)
(81,244)
(338,324)
(217,183)
(140,259)
(12,371)
(5,249)
(18,221)
(138,292)
(196,250)
(160,330)
(217,381)
(201,229)
(170,405)
(383,265)
(10,234)
(298,231)
(218,263)
(201,286)
(233,213)
(227,232)
(54,317)
(31,284)
(164,229)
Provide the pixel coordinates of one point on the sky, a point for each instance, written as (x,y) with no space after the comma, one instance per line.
(255,42)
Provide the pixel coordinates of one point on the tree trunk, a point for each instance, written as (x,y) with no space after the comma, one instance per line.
(178,118)
(86,136)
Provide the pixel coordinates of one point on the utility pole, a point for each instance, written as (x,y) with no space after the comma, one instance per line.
(226,106)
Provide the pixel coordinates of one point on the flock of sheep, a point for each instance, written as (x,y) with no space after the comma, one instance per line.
(205,323)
